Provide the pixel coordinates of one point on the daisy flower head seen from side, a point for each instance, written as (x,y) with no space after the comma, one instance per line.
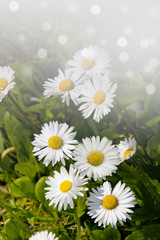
(55,143)
(127,148)
(97,97)
(109,206)
(67,83)
(6,81)
(64,187)
(43,235)
(92,60)
(96,158)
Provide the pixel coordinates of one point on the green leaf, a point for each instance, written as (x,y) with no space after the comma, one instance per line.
(153,121)
(107,233)
(152,231)
(19,136)
(39,190)
(112,233)
(97,234)
(81,206)
(152,171)
(107,133)
(2,113)
(2,237)
(7,163)
(153,144)
(40,195)
(12,231)
(64,238)
(137,235)
(26,168)
(1,143)
(23,187)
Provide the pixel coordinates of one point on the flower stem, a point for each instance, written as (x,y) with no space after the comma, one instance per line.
(20,114)
(92,124)
(78,224)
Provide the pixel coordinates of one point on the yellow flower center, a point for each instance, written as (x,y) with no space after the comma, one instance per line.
(110,202)
(128,152)
(99,97)
(65,186)
(3,84)
(66,85)
(95,158)
(55,142)
(87,63)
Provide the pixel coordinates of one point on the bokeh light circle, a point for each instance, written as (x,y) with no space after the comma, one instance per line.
(46,26)
(95,9)
(122,42)
(62,39)
(144,43)
(150,89)
(13,6)
(124,56)
(42,53)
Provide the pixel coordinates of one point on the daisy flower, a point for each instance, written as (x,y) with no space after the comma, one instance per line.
(55,143)
(109,206)
(97,97)
(43,235)
(127,148)
(92,60)
(67,84)
(96,158)
(65,187)
(6,78)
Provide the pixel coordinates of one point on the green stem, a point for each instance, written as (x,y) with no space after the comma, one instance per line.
(13,215)
(149,183)
(78,224)
(93,126)
(22,116)
(15,103)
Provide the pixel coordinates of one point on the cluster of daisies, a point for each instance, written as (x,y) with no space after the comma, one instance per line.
(86,83)
(94,158)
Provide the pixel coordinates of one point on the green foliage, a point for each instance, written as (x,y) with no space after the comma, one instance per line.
(23,187)
(19,136)
(81,207)
(12,231)
(107,233)
(1,143)
(137,235)
(26,168)
(40,192)
(152,231)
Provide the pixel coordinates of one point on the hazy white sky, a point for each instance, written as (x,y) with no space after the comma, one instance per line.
(129,29)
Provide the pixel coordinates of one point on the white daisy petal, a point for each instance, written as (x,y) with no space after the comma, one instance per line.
(96,158)
(64,187)
(67,84)
(92,60)
(97,97)
(54,143)
(43,235)
(107,208)
(127,148)
(6,78)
